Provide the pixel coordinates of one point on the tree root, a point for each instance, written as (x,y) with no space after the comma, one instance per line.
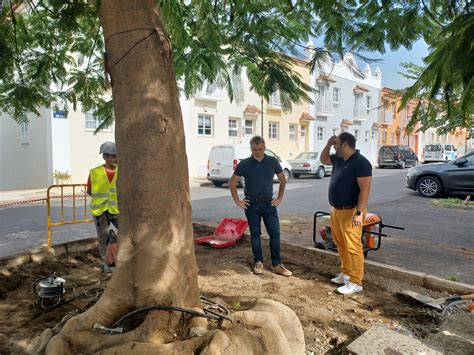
(268,327)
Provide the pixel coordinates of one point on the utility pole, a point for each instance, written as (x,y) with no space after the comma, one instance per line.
(261,114)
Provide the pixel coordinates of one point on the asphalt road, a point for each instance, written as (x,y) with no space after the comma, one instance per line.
(436,240)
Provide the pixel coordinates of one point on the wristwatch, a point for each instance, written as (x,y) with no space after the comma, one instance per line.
(358,213)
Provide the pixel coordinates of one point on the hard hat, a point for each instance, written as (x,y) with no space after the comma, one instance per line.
(108,148)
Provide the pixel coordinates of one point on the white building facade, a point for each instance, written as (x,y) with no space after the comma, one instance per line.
(31,154)
(347,100)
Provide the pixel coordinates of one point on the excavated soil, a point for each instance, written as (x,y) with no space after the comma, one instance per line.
(330,321)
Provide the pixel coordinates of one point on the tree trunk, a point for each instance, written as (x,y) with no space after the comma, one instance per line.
(156,260)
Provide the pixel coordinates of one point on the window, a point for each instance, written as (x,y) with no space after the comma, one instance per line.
(392,138)
(321,91)
(275,99)
(334,131)
(293,130)
(367,135)
(320,134)
(205,125)
(273,128)
(392,107)
(368,103)
(336,93)
(233,127)
(92,122)
(356,134)
(384,137)
(470,159)
(25,133)
(248,129)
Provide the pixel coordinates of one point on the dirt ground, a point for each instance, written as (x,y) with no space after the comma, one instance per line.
(330,321)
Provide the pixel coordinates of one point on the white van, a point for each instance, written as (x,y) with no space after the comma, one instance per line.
(223,160)
(436,152)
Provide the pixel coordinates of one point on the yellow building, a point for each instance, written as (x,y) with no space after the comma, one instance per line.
(394,121)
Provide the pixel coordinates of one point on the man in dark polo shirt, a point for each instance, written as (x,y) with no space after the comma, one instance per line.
(258,171)
(348,195)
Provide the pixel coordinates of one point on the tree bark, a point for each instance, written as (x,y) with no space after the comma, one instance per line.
(156,260)
(156,250)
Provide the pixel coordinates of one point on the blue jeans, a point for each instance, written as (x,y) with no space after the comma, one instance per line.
(254,213)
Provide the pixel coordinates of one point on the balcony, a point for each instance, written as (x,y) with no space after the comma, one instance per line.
(274,101)
(405,119)
(209,93)
(324,106)
(360,113)
(387,116)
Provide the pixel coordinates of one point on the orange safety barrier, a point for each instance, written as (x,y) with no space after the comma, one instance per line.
(81,196)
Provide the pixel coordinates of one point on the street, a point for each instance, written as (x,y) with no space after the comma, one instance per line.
(436,240)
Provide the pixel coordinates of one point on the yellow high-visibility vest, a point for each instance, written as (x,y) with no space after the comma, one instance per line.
(103,192)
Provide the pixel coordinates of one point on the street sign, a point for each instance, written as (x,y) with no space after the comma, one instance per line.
(59,114)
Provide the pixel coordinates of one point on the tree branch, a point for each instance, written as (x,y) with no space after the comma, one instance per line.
(430,14)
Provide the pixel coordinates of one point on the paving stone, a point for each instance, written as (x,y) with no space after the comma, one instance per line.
(381,340)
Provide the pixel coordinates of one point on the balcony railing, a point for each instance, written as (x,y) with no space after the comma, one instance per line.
(387,116)
(360,112)
(210,93)
(323,106)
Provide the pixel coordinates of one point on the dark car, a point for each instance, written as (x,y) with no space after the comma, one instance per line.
(399,156)
(455,177)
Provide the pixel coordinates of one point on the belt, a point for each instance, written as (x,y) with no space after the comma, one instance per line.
(344,207)
(259,199)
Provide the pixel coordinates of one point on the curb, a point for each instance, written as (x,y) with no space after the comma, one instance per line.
(327,258)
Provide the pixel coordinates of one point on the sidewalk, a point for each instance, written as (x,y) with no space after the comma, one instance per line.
(21,197)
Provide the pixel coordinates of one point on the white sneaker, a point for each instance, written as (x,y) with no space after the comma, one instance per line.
(349,288)
(340,279)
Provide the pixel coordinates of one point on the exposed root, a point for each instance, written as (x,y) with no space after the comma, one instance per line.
(268,328)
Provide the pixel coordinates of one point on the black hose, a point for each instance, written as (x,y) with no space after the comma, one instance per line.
(162,307)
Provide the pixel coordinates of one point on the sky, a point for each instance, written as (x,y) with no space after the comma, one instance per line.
(391,64)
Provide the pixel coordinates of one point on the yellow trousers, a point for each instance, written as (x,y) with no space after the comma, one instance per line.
(349,244)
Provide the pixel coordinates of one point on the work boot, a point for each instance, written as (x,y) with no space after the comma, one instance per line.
(349,288)
(258,268)
(280,269)
(340,279)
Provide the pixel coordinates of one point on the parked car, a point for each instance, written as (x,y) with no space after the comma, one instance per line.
(436,152)
(455,177)
(399,156)
(223,159)
(309,163)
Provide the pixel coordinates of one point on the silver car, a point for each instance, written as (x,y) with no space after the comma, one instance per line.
(309,163)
